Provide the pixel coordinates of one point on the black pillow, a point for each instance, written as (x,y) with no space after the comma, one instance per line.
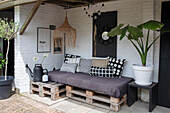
(107,72)
(117,64)
(67,56)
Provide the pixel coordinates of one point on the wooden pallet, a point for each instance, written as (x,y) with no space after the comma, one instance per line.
(95,98)
(50,89)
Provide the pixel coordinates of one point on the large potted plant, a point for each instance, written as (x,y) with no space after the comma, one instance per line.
(8,29)
(142,73)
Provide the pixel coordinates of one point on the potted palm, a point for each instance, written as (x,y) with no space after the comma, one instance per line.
(142,73)
(8,29)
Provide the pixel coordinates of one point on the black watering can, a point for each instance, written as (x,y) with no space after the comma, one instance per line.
(37,73)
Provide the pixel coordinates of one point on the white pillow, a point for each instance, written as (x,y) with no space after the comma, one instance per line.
(70,67)
(76,61)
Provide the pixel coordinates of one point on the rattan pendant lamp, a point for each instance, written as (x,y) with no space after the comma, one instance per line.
(65,30)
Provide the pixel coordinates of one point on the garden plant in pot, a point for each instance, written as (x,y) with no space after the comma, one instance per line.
(8,29)
(143,73)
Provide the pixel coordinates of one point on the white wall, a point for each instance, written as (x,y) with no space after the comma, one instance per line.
(133,12)
(26,44)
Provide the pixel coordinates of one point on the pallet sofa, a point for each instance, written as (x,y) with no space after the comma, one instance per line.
(108,93)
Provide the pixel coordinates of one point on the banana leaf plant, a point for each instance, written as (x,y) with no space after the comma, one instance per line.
(136,36)
(8,29)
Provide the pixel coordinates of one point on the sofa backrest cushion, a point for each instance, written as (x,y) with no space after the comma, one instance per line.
(70,67)
(68,56)
(117,64)
(85,65)
(72,59)
(108,72)
(100,62)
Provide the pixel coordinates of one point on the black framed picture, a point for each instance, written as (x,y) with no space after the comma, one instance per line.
(43,40)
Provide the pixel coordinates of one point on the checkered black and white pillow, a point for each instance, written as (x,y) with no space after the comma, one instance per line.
(75,59)
(71,58)
(103,72)
(117,64)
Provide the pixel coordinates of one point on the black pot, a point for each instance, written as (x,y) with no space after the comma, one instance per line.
(6,87)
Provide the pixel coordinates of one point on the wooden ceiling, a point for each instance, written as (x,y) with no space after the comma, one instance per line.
(5,4)
(75,3)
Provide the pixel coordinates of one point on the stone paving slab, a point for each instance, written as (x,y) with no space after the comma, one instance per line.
(19,104)
(23,104)
(43,100)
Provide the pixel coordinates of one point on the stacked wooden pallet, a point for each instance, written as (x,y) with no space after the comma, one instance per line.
(95,98)
(50,89)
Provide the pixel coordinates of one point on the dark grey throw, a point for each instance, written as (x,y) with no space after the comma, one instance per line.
(115,87)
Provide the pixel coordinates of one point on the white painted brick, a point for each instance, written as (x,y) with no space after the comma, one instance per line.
(131,12)
(26,44)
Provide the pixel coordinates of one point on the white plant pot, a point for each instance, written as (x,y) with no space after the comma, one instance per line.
(143,74)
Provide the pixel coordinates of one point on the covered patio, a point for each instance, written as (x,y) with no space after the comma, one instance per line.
(61,34)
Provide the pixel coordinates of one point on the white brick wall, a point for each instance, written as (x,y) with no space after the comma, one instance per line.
(131,12)
(26,44)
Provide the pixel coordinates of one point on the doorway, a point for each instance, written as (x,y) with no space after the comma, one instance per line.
(164,66)
(10,15)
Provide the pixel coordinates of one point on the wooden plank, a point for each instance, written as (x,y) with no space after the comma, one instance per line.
(114,100)
(11,3)
(89,93)
(78,92)
(69,88)
(97,99)
(79,99)
(101,98)
(29,18)
(115,108)
(80,1)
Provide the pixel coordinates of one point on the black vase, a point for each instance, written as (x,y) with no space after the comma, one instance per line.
(6,87)
(38,73)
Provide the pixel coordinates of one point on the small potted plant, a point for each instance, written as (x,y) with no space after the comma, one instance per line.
(142,73)
(8,29)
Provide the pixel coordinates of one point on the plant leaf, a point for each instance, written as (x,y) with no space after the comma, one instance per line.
(124,32)
(116,31)
(135,32)
(129,37)
(151,25)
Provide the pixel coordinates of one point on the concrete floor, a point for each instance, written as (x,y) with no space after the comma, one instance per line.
(71,106)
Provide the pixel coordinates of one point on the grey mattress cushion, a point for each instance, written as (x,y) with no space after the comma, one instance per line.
(115,87)
(70,67)
(85,65)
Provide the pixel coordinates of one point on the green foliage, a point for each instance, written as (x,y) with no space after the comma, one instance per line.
(2,61)
(116,31)
(8,29)
(151,25)
(135,36)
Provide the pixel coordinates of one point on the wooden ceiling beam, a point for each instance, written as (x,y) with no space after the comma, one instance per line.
(57,2)
(76,3)
(65,3)
(99,1)
(79,1)
(6,4)
(30,16)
